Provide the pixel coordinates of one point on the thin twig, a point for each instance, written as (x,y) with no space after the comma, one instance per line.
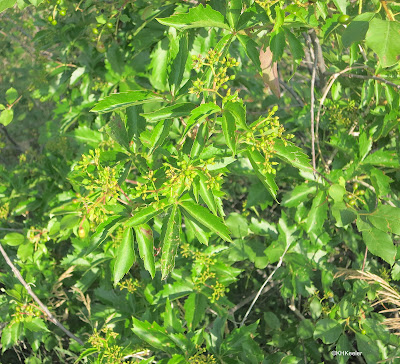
(251,297)
(371,77)
(320,57)
(293,93)
(296,310)
(8,136)
(313,74)
(387,10)
(365,258)
(36,298)
(322,101)
(264,284)
(371,188)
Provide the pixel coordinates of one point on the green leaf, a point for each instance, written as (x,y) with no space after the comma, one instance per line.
(305,329)
(135,124)
(296,48)
(143,215)
(6,116)
(381,182)
(237,224)
(367,346)
(102,232)
(5,4)
(195,309)
(201,233)
(11,95)
(10,335)
(318,213)
(87,352)
(257,160)
(386,218)
(299,194)
(204,217)
(125,256)
(206,192)
(159,133)
(383,158)
(341,5)
(277,44)
(383,37)
(145,240)
(364,145)
(229,129)
(153,334)
(178,65)
(198,17)
(250,47)
(69,221)
(14,239)
(238,110)
(293,155)
(76,75)
(286,232)
(378,242)
(170,237)
(327,330)
(357,29)
(343,344)
(159,65)
(36,325)
(337,192)
(84,134)
(117,130)
(200,141)
(124,100)
(170,112)
(343,215)
(200,113)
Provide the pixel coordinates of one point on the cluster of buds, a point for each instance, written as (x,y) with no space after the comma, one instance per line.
(131,285)
(219,67)
(96,339)
(202,274)
(214,182)
(262,137)
(266,4)
(4,210)
(25,312)
(201,358)
(37,236)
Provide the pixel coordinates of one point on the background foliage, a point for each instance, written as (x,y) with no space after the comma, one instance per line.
(162,160)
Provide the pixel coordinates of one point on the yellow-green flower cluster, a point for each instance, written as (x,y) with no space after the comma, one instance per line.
(219,67)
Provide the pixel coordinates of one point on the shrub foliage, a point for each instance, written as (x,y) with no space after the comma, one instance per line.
(191,181)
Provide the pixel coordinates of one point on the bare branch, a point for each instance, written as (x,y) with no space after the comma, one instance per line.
(251,297)
(314,71)
(320,58)
(370,77)
(264,284)
(38,301)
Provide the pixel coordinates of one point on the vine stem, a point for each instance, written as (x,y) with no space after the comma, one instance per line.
(264,284)
(44,308)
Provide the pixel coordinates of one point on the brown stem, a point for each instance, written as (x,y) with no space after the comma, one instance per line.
(387,10)
(365,258)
